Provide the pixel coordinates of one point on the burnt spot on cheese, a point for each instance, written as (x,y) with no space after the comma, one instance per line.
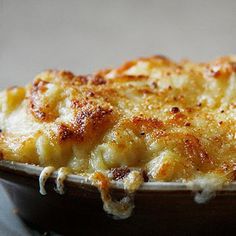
(90,123)
(40,107)
(82,79)
(175,110)
(98,80)
(119,173)
(187,124)
(39,85)
(154,85)
(65,132)
(145,176)
(93,118)
(90,94)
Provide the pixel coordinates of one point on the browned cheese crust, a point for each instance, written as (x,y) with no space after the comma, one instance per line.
(174,121)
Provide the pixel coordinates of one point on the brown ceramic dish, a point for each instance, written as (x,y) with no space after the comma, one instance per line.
(165,208)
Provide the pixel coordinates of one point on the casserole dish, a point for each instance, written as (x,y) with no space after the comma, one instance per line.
(166,208)
(146,140)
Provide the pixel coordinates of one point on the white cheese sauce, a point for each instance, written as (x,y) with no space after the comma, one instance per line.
(62,174)
(45,174)
(206,186)
(120,209)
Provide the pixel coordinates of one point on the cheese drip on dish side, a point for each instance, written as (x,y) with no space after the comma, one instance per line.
(170,121)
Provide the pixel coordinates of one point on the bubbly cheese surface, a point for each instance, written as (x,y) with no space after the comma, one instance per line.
(174,121)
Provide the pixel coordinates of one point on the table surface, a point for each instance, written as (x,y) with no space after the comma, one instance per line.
(10,224)
(84,36)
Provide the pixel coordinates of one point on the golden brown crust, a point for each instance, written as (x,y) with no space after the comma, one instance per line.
(174,120)
(42,113)
(88,121)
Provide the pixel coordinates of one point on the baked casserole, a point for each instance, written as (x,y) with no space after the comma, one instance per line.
(151,119)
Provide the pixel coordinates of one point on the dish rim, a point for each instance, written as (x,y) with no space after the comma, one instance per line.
(34,170)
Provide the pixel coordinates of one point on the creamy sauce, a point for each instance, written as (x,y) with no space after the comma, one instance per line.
(206,187)
(118,209)
(62,174)
(204,196)
(45,174)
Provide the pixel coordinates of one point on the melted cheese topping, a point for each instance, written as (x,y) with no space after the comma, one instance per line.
(133,181)
(206,186)
(175,121)
(61,177)
(45,174)
(119,210)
